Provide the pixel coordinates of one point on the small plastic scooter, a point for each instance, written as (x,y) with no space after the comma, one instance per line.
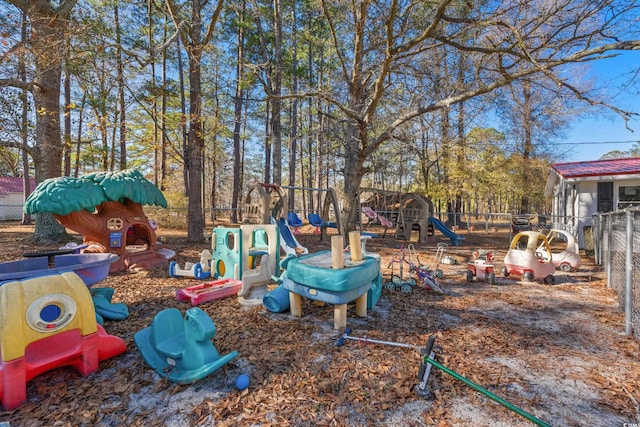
(428,360)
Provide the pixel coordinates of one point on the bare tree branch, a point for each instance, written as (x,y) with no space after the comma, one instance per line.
(17,83)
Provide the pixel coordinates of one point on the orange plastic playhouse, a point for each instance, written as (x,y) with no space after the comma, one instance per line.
(106,210)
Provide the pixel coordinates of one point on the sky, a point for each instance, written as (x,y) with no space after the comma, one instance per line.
(594,136)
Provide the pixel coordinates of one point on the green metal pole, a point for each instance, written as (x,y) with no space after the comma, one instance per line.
(486,393)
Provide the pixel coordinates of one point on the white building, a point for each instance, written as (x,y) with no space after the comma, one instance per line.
(580,189)
(12,198)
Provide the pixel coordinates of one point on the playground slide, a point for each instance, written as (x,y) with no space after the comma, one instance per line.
(287,240)
(455,238)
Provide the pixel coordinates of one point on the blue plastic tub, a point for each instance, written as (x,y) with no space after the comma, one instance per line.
(91,268)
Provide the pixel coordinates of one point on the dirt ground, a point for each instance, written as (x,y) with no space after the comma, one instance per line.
(557,352)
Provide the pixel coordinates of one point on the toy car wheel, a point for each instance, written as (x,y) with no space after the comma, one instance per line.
(390,286)
(550,280)
(505,272)
(469,276)
(491,278)
(406,289)
(565,267)
(436,288)
(528,276)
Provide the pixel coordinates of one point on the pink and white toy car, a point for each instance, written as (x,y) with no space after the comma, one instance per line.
(530,256)
(569,259)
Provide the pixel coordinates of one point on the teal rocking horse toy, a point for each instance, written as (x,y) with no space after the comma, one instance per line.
(181,349)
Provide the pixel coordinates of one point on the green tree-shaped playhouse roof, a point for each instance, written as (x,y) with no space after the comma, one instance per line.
(63,195)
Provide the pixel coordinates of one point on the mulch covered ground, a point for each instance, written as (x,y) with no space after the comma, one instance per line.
(557,352)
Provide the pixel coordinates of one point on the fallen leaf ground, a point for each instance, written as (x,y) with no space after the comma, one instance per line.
(557,352)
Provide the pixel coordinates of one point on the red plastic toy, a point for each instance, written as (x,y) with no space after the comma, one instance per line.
(481,267)
(209,291)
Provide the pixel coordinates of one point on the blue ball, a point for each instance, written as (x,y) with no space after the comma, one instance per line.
(242,382)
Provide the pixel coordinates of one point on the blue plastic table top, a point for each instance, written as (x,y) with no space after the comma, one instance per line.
(314,270)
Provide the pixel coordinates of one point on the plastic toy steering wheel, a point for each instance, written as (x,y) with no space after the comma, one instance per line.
(51,255)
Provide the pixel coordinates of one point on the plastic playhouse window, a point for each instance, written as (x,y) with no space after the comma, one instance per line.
(230,241)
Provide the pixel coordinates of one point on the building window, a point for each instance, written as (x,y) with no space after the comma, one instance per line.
(605,196)
(628,196)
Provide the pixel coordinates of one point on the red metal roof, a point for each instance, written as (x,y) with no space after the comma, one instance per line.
(10,184)
(625,166)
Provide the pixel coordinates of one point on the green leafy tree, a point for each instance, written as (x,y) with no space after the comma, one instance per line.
(502,43)
(48,22)
(617,154)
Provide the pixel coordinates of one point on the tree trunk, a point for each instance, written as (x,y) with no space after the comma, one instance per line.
(353,173)
(163,117)
(76,170)
(183,109)
(319,136)
(527,146)
(460,160)
(26,183)
(195,149)
(237,117)
(121,89)
(67,123)
(154,101)
(24,100)
(320,155)
(276,104)
(47,154)
(445,153)
(195,43)
(294,113)
(267,145)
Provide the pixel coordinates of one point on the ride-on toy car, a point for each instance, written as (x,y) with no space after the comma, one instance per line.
(569,258)
(520,223)
(530,256)
(481,267)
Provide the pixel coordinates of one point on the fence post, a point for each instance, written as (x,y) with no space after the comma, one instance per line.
(597,224)
(628,275)
(608,250)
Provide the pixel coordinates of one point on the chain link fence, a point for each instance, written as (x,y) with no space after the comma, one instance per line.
(617,249)
(494,222)
(491,223)
(10,212)
(176,217)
